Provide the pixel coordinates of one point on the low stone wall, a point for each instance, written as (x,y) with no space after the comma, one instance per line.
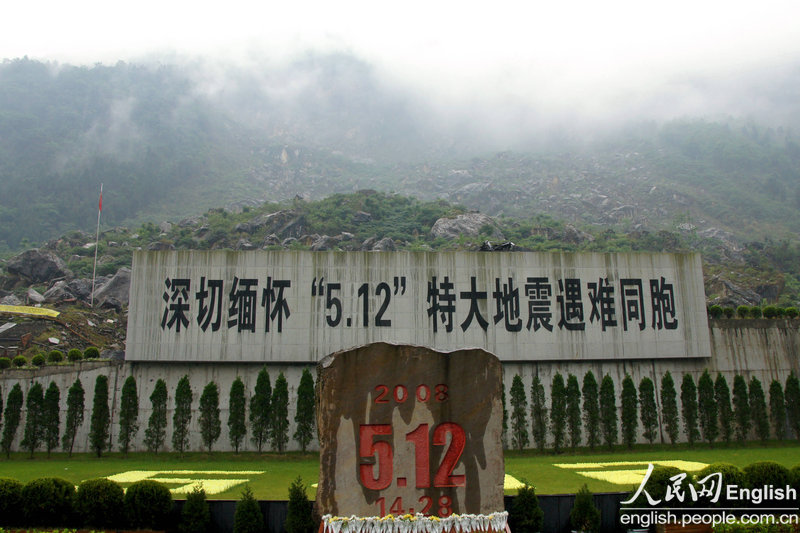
(766,349)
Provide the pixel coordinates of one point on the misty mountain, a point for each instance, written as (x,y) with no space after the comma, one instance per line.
(170,141)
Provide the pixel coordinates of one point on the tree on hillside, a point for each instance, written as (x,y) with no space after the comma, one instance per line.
(630,420)
(538,413)
(34,427)
(11,418)
(75,407)
(210,424)
(758,409)
(260,410)
(51,417)
(722,397)
(591,409)
(573,411)
(182,415)
(777,409)
(608,411)
(519,407)
(279,435)
(558,411)
(237,426)
(156,433)
(792,396)
(707,408)
(128,414)
(648,413)
(669,407)
(741,408)
(304,417)
(100,419)
(689,408)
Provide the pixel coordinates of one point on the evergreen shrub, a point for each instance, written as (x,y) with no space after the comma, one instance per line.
(715,311)
(55,356)
(728,312)
(791,312)
(731,475)
(38,360)
(48,502)
(742,311)
(98,503)
(74,355)
(770,311)
(91,353)
(299,514)
(767,473)
(195,515)
(755,312)
(148,504)
(19,361)
(247,517)
(10,502)
(585,516)
(5,362)
(525,515)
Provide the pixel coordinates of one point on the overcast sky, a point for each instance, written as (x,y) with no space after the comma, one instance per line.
(540,54)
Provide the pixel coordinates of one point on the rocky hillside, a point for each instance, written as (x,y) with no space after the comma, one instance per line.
(58,275)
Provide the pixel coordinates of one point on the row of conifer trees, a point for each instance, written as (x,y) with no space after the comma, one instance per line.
(592,415)
(268,416)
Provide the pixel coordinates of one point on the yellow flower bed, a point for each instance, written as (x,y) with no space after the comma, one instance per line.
(416,523)
(190,481)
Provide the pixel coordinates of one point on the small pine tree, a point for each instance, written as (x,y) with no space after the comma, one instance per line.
(304,417)
(99,422)
(128,414)
(608,412)
(279,436)
(299,515)
(689,409)
(722,397)
(210,425)
(630,419)
(777,409)
(741,408)
(260,410)
(34,427)
(525,515)
(758,409)
(247,517)
(237,427)
(707,408)
(669,407)
(573,411)
(75,407)
(519,407)
(648,413)
(156,433)
(558,411)
(585,516)
(591,409)
(792,396)
(11,415)
(51,417)
(538,413)
(195,515)
(182,415)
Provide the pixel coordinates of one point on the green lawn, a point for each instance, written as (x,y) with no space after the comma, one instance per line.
(269,475)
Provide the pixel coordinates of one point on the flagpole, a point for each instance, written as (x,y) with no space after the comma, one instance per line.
(96,244)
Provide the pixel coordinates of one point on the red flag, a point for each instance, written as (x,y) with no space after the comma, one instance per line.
(100,205)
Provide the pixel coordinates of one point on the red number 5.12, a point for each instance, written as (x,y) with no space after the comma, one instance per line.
(383,454)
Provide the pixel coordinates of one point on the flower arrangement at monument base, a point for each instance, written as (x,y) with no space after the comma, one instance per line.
(416,523)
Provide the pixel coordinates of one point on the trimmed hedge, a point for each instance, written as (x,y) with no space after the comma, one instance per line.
(48,502)
(148,505)
(19,361)
(74,355)
(10,502)
(38,360)
(98,503)
(55,356)
(5,362)
(91,353)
